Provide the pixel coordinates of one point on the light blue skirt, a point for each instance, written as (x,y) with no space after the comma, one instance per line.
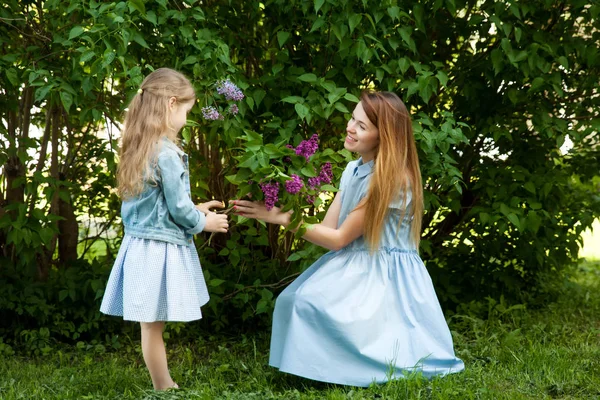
(153,280)
(355,319)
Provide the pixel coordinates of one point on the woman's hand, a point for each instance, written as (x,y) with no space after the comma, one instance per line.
(205,207)
(256,210)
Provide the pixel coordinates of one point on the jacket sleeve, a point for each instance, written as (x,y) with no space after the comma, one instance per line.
(180,205)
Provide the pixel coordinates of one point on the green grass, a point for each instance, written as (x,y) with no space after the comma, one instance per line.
(511,353)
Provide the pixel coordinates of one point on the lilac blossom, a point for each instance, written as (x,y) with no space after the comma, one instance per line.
(271,192)
(229,90)
(314,182)
(211,113)
(307,148)
(233,109)
(294,185)
(326,175)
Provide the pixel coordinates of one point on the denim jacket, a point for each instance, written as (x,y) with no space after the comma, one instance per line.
(164,211)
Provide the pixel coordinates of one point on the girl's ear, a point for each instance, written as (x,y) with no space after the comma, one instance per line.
(172,102)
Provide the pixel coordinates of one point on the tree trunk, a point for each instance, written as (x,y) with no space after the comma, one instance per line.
(68,233)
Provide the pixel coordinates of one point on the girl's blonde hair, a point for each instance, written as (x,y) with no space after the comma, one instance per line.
(396,169)
(148,120)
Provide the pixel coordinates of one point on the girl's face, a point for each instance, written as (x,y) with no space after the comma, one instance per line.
(362,136)
(178,113)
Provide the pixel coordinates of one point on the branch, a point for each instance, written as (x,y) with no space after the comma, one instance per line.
(284,282)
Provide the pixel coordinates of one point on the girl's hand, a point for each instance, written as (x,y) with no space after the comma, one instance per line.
(216,222)
(256,210)
(205,207)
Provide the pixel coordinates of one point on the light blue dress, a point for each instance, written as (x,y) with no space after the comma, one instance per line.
(154,280)
(355,318)
(157,274)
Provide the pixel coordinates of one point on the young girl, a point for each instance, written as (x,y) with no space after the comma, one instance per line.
(157,276)
(366,311)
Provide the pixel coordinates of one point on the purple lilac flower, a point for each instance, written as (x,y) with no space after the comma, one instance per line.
(310,199)
(271,192)
(314,182)
(211,113)
(307,148)
(234,109)
(326,175)
(229,90)
(294,185)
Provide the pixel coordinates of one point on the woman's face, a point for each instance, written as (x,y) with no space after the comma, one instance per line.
(362,136)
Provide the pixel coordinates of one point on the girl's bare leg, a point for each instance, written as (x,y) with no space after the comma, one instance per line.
(155,355)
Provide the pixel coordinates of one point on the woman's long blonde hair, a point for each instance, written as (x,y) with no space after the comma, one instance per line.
(146,121)
(396,169)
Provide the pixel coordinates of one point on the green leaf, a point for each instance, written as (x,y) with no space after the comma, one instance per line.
(302,110)
(251,163)
(530,187)
(12,76)
(282,37)
(404,65)
(497,61)
(351,97)
(87,55)
(137,5)
(139,39)
(394,12)
(318,24)
(353,21)
(405,33)
(259,95)
(293,99)
(514,220)
(277,68)
(336,95)
(318,5)
(308,78)
(518,34)
(263,159)
(294,257)
(341,107)
(41,92)
(308,172)
(419,12)
(216,282)
(442,78)
(537,84)
(66,100)
(191,59)
(107,58)
(75,32)
(564,62)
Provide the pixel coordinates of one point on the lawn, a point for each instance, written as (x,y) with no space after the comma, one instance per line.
(510,353)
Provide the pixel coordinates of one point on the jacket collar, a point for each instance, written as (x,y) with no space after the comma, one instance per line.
(363,169)
(167,142)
